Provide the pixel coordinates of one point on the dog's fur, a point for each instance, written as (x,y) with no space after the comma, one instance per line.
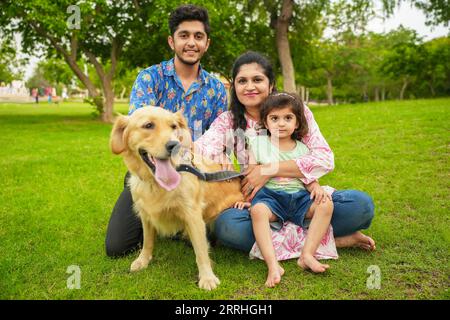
(188,207)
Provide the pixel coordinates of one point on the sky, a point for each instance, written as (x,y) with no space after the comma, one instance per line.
(411,18)
(408,16)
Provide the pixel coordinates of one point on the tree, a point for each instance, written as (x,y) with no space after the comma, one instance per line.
(111,32)
(10,65)
(56,71)
(338,56)
(37,79)
(285,17)
(404,60)
(100,37)
(435,67)
(436,11)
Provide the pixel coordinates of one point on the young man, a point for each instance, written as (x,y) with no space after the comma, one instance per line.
(177,84)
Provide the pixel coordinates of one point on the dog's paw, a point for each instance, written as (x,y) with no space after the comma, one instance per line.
(139,264)
(208,282)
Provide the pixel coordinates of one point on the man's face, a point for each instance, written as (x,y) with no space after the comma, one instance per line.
(189,42)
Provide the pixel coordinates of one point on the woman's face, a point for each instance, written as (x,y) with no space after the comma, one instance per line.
(251,85)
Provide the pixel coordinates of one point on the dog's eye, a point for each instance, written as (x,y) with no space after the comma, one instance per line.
(174,126)
(149,125)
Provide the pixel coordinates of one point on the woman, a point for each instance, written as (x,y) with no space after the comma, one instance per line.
(253,80)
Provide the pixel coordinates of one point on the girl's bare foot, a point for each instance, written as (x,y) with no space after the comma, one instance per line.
(356,239)
(274,276)
(307,261)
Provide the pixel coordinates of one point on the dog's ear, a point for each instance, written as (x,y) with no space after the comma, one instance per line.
(117,141)
(184,134)
(181,120)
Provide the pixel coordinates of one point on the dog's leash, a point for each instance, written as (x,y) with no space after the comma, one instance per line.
(210,176)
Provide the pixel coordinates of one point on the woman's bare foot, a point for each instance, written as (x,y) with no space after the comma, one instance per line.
(307,261)
(274,276)
(356,239)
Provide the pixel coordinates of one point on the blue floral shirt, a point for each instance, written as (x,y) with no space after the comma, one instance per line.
(159,85)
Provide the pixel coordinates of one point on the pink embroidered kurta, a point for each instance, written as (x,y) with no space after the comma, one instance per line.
(290,239)
(315,164)
(318,162)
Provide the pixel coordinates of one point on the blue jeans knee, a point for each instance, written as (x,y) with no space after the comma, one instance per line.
(353,211)
(233,228)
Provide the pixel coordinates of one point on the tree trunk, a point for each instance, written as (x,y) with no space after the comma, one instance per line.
(107,115)
(433,92)
(301,92)
(404,86)
(122,94)
(106,79)
(283,48)
(377,94)
(329,89)
(93,92)
(383,93)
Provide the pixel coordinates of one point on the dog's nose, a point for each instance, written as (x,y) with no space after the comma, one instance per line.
(172,146)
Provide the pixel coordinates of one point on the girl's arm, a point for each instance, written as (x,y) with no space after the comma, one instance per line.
(317,192)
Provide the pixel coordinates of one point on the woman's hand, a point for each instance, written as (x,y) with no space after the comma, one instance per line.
(254,180)
(317,192)
(241,205)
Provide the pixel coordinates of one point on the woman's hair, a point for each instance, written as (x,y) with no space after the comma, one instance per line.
(188,12)
(236,107)
(282,100)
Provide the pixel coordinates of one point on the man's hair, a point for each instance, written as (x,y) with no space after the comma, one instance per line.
(189,12)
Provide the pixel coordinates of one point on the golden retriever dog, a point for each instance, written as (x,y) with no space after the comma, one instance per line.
(152,142)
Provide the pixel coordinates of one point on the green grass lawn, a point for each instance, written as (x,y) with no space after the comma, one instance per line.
(59,182)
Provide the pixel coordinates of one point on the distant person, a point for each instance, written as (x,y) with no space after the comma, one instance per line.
(35,95)
(55,97)
(64,94)
(49,94)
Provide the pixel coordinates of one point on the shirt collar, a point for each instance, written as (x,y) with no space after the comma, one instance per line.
(169,70)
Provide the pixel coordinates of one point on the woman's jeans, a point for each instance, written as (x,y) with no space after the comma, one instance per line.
(353,211)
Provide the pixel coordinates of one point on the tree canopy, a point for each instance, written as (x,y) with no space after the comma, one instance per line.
(113,40)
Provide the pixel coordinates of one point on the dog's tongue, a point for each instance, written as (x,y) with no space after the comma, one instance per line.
(166,175)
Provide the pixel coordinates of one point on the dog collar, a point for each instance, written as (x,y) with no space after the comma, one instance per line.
(210,176)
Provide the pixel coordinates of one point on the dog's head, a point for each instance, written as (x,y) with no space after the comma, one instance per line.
(152,137)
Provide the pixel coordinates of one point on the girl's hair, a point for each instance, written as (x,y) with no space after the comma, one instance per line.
(236,107)
(282,100)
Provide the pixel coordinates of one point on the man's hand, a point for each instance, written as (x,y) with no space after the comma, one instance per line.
(317,192)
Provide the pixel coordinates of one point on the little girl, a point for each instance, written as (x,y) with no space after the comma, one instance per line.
(285,199)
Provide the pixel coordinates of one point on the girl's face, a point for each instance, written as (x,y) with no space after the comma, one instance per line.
(281,123)
(251,85)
